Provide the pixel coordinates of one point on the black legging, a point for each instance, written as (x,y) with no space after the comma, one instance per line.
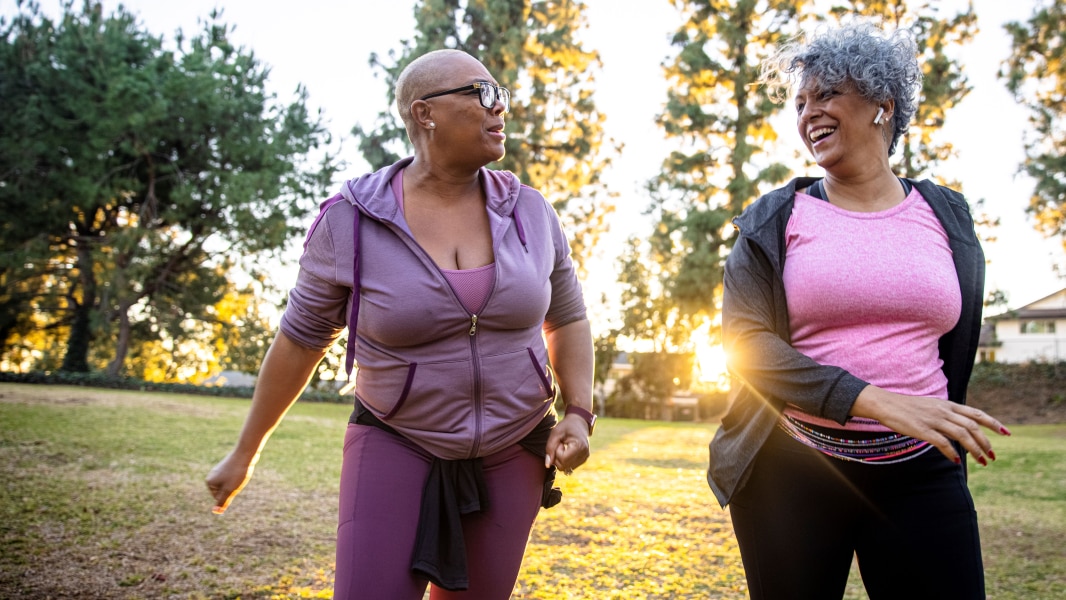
(802,516)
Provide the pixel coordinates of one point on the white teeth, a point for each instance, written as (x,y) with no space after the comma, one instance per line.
(820,133)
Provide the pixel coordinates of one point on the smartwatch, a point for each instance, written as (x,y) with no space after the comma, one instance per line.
(587,416)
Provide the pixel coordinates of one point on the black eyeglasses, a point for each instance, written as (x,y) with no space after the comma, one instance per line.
(488,94)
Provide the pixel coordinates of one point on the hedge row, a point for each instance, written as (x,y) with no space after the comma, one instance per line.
(1000,375)
(100,380)
(985,376)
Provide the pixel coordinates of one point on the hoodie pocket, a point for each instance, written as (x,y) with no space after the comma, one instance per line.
(404,392)
(514,385)
(386,390)
(424,396)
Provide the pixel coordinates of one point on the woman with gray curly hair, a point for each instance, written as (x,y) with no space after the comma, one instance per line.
(851,315)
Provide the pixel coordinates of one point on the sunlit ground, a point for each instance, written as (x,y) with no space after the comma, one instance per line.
(638,522)
(103,497)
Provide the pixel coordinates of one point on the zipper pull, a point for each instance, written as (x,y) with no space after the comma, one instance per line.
(473,324)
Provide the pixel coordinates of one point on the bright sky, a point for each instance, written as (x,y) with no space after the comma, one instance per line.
(326,44)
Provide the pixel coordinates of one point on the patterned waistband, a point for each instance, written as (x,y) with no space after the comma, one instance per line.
(880,448)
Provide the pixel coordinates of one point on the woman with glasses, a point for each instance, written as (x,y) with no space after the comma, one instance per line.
(851,314)
(457,288)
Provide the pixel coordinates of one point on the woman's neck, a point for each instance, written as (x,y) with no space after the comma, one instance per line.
(871,193)
(439,182)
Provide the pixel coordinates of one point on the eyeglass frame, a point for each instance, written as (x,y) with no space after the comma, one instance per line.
(498,94)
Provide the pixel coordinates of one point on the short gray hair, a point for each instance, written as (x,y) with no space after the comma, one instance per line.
(880,66)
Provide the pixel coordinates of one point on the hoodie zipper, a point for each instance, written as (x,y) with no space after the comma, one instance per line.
(476,446)
(478,401)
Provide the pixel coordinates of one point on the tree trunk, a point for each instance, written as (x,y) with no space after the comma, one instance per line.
(122,345)
(76,359)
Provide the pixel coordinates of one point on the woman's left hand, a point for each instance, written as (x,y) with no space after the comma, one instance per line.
(568,444)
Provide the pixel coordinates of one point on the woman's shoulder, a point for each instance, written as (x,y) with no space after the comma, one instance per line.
(768,207)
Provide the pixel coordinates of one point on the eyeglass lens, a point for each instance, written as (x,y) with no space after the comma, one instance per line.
(490,93)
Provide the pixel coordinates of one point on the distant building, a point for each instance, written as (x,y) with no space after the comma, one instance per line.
(1034,332)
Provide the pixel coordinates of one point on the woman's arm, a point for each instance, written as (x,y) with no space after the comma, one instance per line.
(936,421)
(755,335)
(285,372)
(571,355)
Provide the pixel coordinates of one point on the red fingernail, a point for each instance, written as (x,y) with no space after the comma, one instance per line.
(981,459)
(1004,430)
(991,455)
(957,460)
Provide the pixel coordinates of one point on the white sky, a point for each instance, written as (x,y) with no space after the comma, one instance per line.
(325,44)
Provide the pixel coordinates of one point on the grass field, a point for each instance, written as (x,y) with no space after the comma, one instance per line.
(103,497)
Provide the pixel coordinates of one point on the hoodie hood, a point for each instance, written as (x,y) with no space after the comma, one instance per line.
(372,193)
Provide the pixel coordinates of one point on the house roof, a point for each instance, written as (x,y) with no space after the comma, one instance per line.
(988,335)
(1030,314)
(1052,306)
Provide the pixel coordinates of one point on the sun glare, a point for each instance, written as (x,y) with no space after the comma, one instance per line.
(710,360)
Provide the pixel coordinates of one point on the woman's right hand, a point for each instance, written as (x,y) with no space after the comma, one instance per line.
(936,421)
(228,478)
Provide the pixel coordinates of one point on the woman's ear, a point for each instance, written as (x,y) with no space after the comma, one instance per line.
(885,112)
(421,111)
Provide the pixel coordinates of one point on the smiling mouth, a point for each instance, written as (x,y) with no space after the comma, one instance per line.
(820,133)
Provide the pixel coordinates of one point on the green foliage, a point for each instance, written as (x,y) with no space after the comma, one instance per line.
(719,121)
(105,381)
(642,394)
(1035,73)
(146,175)
(605,348)
(555,138)
(1049,375)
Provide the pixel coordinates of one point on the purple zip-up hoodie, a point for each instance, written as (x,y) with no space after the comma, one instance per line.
(459,385)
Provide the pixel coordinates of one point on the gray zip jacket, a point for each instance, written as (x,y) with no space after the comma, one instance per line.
(767,371)
(459,385)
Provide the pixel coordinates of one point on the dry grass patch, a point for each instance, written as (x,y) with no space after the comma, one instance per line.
(103,497)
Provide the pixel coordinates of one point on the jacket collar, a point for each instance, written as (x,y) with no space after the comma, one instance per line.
(372,193)
(757,219)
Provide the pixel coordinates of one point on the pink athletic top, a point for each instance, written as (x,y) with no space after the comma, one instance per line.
(871,293)
(471,286)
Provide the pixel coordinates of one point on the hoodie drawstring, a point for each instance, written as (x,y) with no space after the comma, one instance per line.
(353,318)
(518,227)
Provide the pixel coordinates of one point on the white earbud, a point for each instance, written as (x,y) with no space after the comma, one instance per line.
(877,119)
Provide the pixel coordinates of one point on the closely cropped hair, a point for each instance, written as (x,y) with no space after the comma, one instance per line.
(416,80)
(879,66)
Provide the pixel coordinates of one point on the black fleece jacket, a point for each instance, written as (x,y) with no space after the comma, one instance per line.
(767,371)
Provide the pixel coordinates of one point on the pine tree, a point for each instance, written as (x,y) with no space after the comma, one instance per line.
(555,138)
(140,178)
(720,121)
(1035,73)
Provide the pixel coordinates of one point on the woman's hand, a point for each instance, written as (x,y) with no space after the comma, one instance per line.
(568,444)
(286,369)
(936,421)
(228,478)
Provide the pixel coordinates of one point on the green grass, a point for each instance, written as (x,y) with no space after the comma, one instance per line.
(103,496)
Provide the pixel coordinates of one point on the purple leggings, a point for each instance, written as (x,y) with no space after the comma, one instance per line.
(380,494)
